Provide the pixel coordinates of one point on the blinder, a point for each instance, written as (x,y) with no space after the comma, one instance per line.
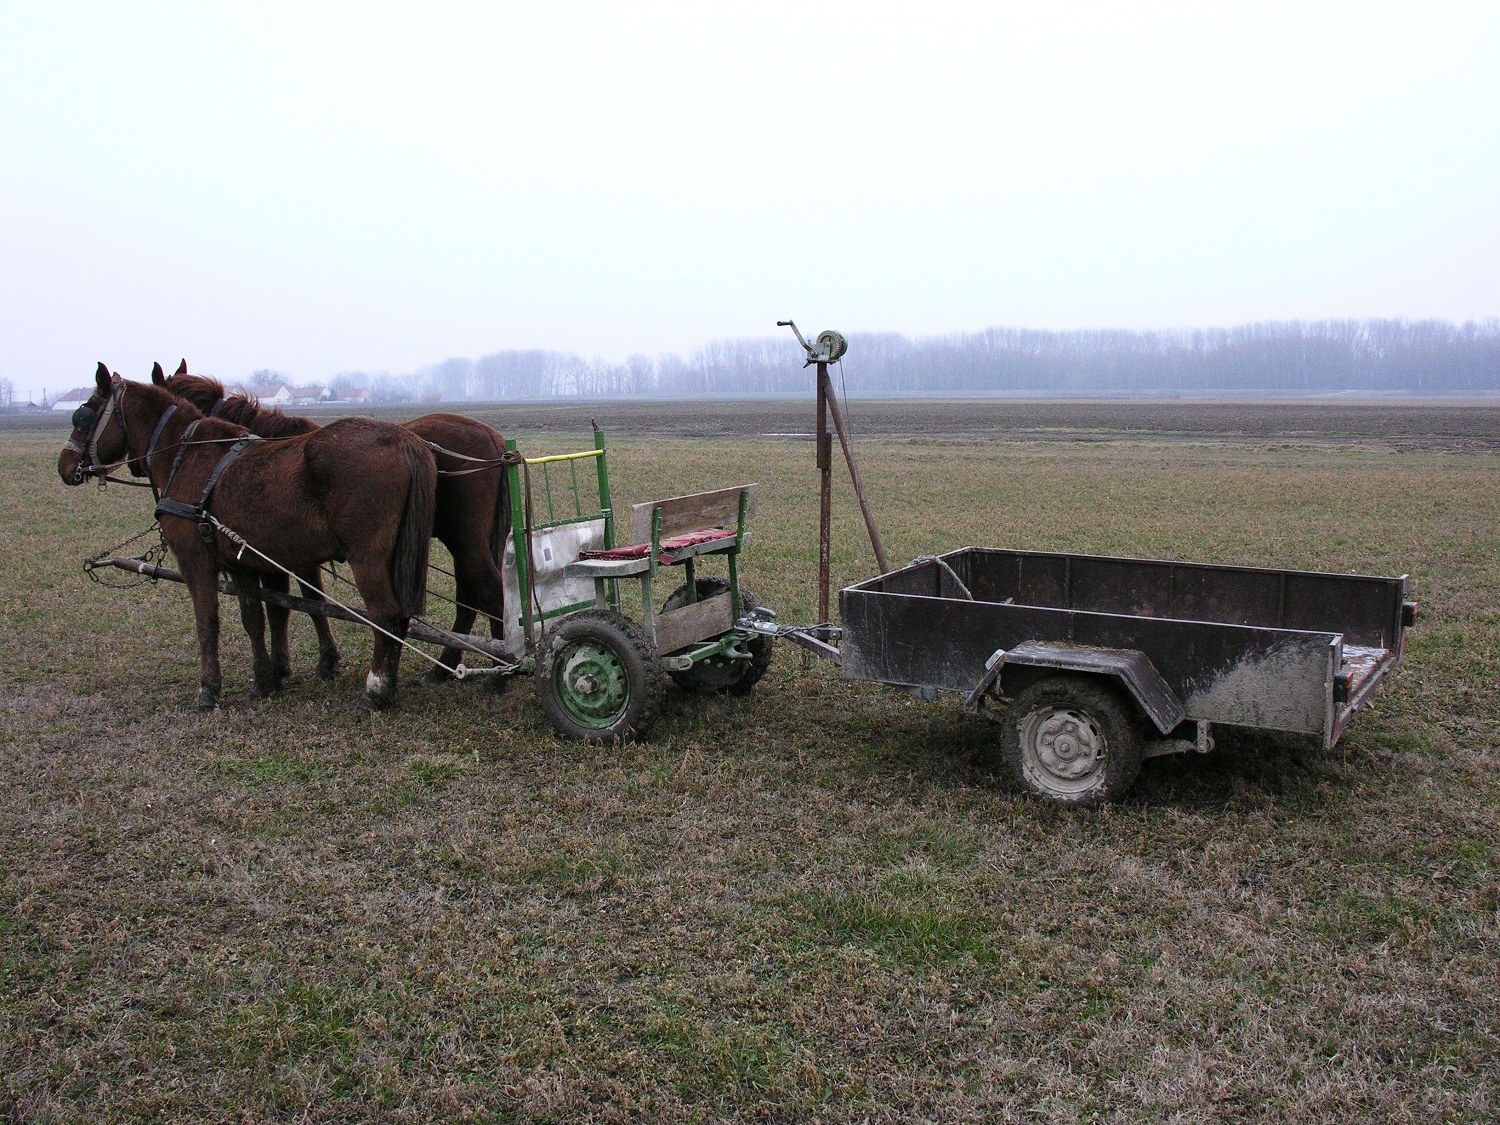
(84,418)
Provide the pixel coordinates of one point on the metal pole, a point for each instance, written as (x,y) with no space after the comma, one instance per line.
(826,386)
(825,496)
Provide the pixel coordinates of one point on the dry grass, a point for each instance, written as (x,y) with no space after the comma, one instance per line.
(817,903)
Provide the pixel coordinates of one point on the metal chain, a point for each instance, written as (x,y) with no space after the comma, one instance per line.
(155,555)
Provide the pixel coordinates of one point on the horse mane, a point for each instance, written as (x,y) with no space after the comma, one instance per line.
(241,409)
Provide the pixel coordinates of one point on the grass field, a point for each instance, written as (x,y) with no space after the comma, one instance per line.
(822,902)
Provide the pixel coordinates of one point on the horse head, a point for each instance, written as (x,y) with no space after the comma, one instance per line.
(97,444)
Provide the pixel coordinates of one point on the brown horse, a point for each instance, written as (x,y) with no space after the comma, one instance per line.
(473,515)
(358,489)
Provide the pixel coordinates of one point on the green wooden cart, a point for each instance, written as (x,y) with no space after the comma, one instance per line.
(597,654)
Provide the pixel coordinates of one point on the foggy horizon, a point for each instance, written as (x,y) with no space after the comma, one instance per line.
(335,188)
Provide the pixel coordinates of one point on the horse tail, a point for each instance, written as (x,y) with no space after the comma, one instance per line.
(414,536)
(500,526)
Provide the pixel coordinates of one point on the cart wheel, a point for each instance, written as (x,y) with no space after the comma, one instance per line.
(1072,740)
(735,677)
(597,677)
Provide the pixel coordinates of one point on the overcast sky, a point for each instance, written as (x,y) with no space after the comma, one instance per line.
(326,187)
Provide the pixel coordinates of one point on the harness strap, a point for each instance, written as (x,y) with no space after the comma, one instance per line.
(167,506)
(218,406)
(161,425)
(116,390)
(234,451)
(156,433)
(198,512)
(482,463)
(182,448)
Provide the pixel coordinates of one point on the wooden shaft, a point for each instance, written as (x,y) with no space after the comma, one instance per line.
(417,630)
(859,488)
(825,495)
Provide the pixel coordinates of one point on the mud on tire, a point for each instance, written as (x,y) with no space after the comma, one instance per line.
(1072,740)
(733,677)
(597,677)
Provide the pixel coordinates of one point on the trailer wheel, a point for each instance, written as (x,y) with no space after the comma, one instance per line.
(1071,739)
(735,677)
(597,677)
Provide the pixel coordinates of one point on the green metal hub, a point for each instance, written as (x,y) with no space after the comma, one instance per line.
(592,684)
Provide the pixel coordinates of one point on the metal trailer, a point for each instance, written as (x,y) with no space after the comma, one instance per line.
(597,670)
(1106,661)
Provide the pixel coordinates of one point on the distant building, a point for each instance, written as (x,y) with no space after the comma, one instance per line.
(351,394)
(73,399)
(274,396)
(311,393)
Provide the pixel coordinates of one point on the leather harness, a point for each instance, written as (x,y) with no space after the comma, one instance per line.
(198,513)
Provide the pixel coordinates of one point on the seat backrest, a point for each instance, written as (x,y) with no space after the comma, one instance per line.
(692,513)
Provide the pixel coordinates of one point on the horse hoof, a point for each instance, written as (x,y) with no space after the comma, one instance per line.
(435,677)
(328,672)
(368,705)
(206,701)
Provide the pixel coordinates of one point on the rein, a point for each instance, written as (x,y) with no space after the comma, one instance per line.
(480,463)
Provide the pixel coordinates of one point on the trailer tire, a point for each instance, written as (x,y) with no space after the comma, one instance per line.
(733,677)
(597,677)
(1072,740)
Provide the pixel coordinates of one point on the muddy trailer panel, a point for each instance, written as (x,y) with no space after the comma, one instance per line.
(1190,643)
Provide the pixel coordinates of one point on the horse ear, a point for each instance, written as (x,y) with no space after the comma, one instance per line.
(158,376)
(181,368)
(102,379)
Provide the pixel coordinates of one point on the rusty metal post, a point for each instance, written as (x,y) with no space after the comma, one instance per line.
(825,388)
(825,496)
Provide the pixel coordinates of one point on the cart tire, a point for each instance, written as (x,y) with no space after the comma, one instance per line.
(734,677)
(1072,740)
(597,677)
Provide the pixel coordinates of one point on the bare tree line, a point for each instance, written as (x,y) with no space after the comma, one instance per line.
(1426,357)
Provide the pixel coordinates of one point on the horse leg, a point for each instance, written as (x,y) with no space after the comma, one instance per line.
(202,580)
(383,609)
(277,615)
(463,621)
(481,589)
(486,583)
(328,649)
(252,615)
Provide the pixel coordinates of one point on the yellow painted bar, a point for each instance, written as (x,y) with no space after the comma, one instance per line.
(565,456)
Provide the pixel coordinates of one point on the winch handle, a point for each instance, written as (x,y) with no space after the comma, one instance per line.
(792,324)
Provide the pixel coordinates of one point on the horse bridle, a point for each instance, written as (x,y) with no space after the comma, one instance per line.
(95,421)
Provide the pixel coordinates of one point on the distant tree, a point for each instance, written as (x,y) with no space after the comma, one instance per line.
(392,388)
(7,394)
(265,377)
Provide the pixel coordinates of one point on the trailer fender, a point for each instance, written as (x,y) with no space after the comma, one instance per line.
(1132,668)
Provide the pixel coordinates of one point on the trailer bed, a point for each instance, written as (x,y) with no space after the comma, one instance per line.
(1285,650)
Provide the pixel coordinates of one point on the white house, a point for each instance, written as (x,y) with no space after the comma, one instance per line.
(73,399)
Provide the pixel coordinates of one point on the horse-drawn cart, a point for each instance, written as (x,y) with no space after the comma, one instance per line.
(1095,663)
(568,610)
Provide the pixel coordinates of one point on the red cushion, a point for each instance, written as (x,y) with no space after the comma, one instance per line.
(668,545)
